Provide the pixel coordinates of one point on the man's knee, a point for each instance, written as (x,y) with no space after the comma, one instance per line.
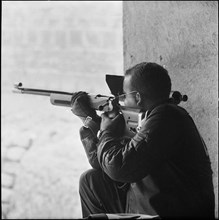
(88,178)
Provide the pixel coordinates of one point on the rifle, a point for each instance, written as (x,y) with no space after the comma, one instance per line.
(132,116)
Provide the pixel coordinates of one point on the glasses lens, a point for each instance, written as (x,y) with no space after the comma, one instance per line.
(122,97)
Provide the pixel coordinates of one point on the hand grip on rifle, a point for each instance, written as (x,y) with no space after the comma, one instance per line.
(81,106)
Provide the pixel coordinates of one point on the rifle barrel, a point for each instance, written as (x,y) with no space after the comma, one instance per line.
(43,92)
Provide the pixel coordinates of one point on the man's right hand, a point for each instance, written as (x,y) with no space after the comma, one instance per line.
(114,125)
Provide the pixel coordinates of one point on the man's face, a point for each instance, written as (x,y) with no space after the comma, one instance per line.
(130,93)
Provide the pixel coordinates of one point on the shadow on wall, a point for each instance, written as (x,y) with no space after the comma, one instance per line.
(68,46)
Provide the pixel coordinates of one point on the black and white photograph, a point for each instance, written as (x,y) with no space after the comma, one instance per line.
(109,109)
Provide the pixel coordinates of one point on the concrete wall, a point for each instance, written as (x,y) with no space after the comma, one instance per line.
(65,45)
(183,36)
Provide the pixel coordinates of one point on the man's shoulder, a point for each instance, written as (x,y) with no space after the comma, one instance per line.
(169,110)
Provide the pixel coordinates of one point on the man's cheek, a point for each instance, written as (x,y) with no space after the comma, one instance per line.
(128,103)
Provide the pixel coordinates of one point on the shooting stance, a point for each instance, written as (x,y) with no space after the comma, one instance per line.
(164,169)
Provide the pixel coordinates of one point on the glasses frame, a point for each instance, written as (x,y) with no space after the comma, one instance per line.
(119,97)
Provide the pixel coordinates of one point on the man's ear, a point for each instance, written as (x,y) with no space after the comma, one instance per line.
(138,98)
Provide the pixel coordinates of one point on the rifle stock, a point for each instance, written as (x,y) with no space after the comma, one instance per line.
(98,102)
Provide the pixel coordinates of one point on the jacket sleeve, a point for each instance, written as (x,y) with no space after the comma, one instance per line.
(88,136)
(147,150)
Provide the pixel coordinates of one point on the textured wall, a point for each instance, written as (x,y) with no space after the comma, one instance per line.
(183,36)
(66,45)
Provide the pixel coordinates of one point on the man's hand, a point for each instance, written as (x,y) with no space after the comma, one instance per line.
(81,106)
(115,125)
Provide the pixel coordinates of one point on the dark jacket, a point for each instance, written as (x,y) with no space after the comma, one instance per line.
(166,165)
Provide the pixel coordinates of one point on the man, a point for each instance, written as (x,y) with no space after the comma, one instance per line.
(163,170)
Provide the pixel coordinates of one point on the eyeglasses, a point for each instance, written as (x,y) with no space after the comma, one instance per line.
(122,97)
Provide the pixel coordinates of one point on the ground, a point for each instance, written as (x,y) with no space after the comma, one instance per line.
(42,159)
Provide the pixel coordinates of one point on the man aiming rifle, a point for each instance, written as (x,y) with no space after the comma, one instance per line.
(164,169)
(146,153)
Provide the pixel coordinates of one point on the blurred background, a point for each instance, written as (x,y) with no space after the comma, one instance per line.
(59,45)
